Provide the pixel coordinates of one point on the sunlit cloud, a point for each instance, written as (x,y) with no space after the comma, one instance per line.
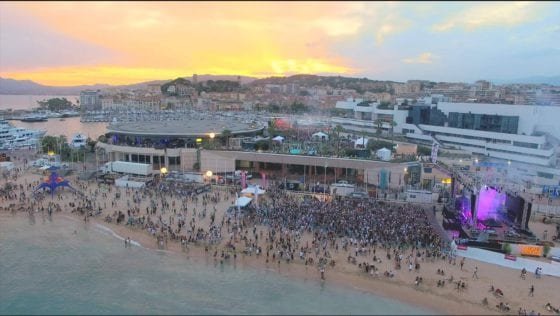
(505,14)
(424,58)
(69,43)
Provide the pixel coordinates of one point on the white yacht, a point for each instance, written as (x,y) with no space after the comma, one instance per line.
(78,141)
(16,137)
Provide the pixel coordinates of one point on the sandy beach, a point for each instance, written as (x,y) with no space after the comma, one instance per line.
(445,299)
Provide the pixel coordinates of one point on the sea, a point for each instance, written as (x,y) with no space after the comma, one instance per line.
(28,102)
(54,126)
(47,269)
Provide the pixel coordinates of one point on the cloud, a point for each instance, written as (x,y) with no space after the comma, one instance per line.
(505,14)
(390,28)
(424,58)
(338,27)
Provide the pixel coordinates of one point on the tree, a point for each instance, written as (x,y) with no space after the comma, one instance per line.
(271,131)
(378,124)
(56,104)
(384,105)
(298,107)
(338,129)
(378,144)
(393,124)
(423,151)
(91,144)
(226,134)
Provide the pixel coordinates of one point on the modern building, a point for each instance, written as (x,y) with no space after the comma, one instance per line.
(523,133)
(170,144)
(90,100)
(511,132)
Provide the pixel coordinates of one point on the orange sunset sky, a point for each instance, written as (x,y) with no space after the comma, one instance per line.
(72,43)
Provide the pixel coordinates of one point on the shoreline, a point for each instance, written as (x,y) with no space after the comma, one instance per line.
(395,291)
(428,295)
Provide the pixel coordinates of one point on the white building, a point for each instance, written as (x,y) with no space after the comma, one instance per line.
(524,133)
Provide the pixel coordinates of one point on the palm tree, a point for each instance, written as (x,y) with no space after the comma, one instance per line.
(337,129)
(378,124)
(393,124)
(226,133)
(271,131)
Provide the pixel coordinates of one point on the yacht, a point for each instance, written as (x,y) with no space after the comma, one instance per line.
(78,141)
(70,113)
(11,136)
(34,118)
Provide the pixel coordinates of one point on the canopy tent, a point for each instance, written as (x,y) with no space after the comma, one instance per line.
(278,139)
(320,136)
(243,201)
(384,154)
(361,142)
(253,190)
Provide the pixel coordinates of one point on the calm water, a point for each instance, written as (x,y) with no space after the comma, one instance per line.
(45,269)
(27,102)
(69,127)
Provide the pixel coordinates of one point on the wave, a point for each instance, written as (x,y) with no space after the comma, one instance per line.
(110,231)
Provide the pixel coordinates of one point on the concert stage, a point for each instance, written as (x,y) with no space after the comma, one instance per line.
(489,217)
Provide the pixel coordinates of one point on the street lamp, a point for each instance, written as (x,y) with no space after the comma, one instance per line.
(163,171)
(212,135)
(209,173)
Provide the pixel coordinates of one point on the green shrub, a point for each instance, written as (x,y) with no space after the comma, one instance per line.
(546,250)
(506,248)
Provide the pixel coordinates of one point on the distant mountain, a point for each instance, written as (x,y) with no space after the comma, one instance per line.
(552,80)
(11,86)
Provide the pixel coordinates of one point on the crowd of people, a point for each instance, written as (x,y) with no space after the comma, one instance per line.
(379,238)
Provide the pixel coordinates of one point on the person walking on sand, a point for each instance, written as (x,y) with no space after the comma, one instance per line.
(475,273)
(532,291)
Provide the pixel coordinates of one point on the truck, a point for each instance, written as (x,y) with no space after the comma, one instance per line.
(342,188)
(124,167)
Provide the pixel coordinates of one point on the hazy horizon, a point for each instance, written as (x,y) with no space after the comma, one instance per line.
(118,43)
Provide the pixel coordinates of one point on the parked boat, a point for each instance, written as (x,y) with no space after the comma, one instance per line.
(34,118)
(78,141)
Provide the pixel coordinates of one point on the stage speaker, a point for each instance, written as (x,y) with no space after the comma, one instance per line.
(473,204)
(452,187)
(528,215)
(520,210)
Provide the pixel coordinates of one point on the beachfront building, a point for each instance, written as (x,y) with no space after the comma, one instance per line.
(170,144)
(520,133)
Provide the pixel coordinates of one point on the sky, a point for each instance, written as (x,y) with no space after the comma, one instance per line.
(74,43)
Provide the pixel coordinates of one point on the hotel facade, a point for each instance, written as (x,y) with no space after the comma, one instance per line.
(522,133)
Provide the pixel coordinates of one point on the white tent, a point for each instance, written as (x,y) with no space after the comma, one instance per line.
(253,190)
(361,142)
(384,154)
(278,139)
(242,201)
(320,136)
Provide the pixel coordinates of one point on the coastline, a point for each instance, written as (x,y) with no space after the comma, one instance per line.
(401,288)
(396,291)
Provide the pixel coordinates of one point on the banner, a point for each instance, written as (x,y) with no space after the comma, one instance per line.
(243,179)
(435,148)
(510,257)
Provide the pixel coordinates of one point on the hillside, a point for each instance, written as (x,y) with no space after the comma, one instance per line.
(11,86)
(336,82)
